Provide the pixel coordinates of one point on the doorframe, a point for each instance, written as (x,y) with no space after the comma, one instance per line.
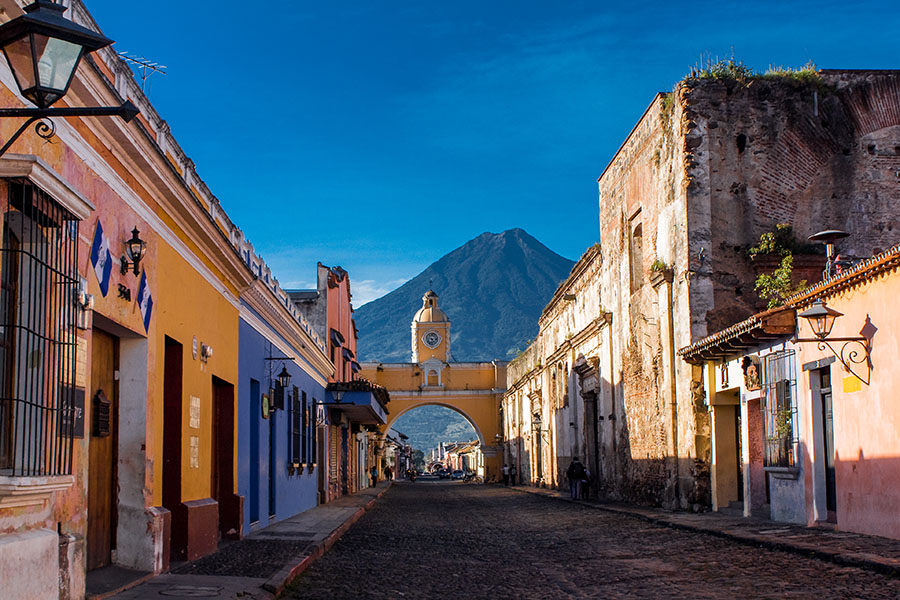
(113,398)
(172,437)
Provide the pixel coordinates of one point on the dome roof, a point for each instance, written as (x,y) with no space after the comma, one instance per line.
(430,313)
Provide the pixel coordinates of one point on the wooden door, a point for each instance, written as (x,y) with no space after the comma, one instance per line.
(828,442)
(101,530)
(172,436)
(223,456)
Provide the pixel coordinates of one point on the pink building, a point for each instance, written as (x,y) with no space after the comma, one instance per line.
(805,426)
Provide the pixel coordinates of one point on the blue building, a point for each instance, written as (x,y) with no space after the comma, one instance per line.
(283,371)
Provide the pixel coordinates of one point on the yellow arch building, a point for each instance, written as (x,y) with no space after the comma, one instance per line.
(473,389)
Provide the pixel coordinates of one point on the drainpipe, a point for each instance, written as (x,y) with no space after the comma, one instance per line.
(612,393)
(673,388)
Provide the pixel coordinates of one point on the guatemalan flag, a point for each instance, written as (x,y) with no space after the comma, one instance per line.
(144,300)
(101,259)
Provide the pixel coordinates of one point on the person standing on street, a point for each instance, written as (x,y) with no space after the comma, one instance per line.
(575,474)
(373,473)
(512,474)
(505,474)
(388,472)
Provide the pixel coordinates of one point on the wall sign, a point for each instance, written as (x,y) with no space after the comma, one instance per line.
(195,412)
(71,419)
(265,406)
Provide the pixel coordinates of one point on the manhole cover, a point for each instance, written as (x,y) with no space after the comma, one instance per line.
(191,591)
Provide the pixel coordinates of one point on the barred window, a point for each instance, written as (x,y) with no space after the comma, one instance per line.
(780,409)
(313,433)
(295,427)
(38,282)
(304,427)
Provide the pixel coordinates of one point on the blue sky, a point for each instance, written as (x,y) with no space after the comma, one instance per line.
(380,135)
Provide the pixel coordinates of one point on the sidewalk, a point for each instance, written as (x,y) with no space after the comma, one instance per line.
(844,548)
(260,565)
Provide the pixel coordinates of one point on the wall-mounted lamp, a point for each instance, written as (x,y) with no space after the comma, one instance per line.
(279,382)
(206,352)
(135,249)
(284,378)
(337,395)
(855,349)
(43,50)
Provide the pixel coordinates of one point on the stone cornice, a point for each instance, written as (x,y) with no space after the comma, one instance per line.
(39,172)
(587,259)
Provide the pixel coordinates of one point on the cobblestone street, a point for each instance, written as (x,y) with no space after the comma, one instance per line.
(452,540)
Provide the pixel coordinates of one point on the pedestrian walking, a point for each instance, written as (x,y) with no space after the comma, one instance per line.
(575,474)
(388,472)
(505,474)
(373,473)
(512,474)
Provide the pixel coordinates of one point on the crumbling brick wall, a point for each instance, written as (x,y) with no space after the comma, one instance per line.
(705,172)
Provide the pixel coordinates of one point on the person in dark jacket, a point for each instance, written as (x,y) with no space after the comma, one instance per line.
(576,473)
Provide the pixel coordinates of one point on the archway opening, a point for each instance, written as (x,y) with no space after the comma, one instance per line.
(441,440)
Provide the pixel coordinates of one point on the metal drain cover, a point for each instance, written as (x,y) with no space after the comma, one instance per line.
(192,591)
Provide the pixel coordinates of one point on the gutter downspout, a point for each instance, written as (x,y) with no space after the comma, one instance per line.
(673,388)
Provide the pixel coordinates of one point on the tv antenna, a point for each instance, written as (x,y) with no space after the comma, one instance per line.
(144,66)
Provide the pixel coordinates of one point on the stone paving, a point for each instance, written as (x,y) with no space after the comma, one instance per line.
(454,540)
(258,566)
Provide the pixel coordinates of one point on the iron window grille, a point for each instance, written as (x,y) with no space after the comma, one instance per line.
(313,437)
(304,427)
(295,427)
(38,282)
(780,408)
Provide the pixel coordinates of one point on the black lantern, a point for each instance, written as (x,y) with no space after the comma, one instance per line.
(820,318)
(43,49)
(284,378)
(135,249)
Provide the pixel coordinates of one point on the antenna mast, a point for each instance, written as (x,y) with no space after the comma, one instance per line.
(144,66)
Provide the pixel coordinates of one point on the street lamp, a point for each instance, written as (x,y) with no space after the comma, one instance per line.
(43,50)
(284,378)
(135,249)
(855,349)
(820,318)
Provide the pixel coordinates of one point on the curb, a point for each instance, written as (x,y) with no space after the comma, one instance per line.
(287,574)
(122,588)
(862,560)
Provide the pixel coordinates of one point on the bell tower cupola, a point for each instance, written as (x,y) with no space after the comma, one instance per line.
(430,331)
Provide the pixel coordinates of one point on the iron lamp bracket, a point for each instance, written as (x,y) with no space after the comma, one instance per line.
(45,127)
(854,353)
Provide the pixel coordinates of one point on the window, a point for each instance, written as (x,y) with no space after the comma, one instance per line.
(313,434)
(38,282)
(780,409)
(295,426)
(304,427)
(636,243)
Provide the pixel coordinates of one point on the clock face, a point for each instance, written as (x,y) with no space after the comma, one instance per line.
(431,339)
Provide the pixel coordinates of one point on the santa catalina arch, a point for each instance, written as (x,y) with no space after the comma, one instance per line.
(474,389)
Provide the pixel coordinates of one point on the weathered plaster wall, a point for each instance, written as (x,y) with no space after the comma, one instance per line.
(704,173)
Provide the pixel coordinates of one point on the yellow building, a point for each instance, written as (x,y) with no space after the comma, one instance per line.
(473,389)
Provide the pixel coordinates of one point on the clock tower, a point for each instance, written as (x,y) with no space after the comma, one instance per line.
(430,331)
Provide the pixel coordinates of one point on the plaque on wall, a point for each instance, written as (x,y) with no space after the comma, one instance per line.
(71,417)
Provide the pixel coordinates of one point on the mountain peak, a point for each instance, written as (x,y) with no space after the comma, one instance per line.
(493,288)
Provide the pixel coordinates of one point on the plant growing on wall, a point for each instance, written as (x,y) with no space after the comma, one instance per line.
(659,265)
(777,286)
